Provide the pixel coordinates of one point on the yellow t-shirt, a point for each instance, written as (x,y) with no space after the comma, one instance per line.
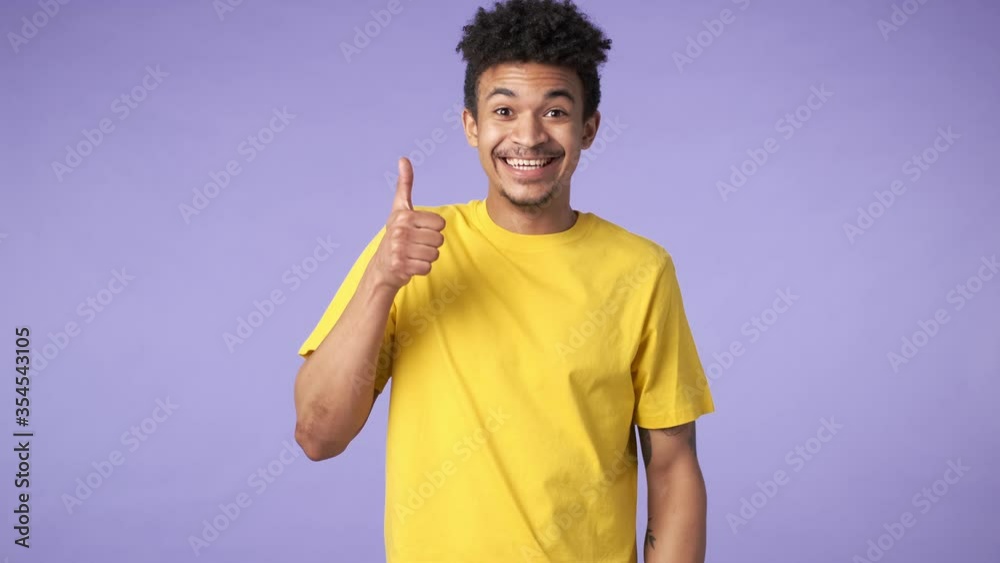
(519,365)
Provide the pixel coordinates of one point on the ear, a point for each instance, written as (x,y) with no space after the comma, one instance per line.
(590,128)
(471,127)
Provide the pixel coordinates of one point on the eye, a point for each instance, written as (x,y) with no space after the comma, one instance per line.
(499,110)
(559,112)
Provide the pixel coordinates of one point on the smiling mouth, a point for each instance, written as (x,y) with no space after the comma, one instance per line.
(528,163)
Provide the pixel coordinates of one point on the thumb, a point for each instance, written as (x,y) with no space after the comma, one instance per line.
(404,186)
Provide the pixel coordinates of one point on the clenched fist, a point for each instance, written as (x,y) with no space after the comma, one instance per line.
(412,238)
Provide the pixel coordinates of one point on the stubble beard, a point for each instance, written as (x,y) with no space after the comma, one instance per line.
(536,203)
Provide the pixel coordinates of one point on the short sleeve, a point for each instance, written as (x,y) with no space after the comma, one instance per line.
(667,375)
(339,302)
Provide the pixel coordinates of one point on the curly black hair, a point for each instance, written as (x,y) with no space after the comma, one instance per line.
(537,31)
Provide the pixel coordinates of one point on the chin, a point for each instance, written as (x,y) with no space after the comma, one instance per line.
(530,195)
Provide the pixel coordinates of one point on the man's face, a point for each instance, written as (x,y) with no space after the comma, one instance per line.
(530,130)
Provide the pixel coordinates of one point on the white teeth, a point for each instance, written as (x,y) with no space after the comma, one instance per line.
(527,164)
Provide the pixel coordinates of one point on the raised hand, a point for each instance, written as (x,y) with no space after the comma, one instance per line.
(412,238)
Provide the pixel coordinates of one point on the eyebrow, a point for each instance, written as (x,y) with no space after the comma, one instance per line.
(557,93)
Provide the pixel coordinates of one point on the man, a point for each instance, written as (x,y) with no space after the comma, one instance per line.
(524,338)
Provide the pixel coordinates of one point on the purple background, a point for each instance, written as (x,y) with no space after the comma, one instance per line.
(324,175)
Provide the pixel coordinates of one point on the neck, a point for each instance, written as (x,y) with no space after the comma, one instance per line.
(552,217)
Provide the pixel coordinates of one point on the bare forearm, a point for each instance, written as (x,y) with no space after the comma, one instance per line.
(677,508)
(677,499)
(335,387)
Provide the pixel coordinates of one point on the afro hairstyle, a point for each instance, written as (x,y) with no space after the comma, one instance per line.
(534,31)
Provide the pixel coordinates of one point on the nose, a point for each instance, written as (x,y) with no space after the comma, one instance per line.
(529,131)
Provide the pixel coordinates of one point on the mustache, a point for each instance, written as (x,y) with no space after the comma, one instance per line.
(526,156)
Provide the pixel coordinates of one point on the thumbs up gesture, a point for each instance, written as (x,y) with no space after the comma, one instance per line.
(412,238)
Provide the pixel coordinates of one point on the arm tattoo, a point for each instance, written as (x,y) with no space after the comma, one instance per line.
(647,456)
(647,445)
(673,430)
